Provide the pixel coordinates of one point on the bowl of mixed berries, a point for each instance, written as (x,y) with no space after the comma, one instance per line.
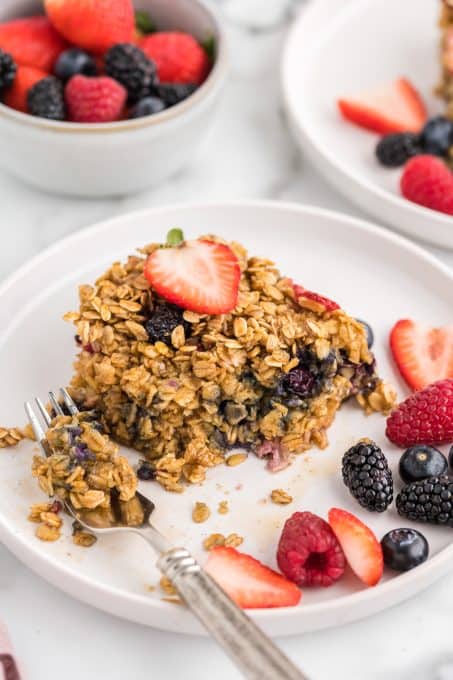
(105,98)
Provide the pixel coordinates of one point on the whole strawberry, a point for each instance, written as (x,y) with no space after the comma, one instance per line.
(32,41)
(94,25)
(178,57)
(94,100)
(425,417)
(426,180)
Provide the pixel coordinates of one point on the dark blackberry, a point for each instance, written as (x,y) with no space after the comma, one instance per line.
(308,378)
(130,66)
(173,93)
(429,500)
(74,62)
(146,471)
(437,136)
(46,99)
(395,150)
(367,475)
(8,70)
(163,321)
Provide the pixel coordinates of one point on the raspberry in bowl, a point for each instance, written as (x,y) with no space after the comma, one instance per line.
(113,97)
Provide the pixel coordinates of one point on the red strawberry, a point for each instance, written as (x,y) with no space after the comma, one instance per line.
(426,180)
(26,77)
(361,547)
(422,354)
(201,276)
(425,417)
(178,57)
(94,100)
(395,107)
(249,583)
(94,25)
(301,292)
(32,41)
(308,551)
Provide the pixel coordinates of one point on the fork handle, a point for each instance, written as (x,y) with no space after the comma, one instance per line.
(252,651)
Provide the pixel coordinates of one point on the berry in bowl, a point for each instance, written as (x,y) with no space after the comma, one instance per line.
(108,88)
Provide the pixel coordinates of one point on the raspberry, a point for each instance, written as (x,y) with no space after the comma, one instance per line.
(178,57)
(308,551)
(94,100)
(428,181)
(426,417)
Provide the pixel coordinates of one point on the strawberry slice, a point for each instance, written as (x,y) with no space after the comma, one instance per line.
(200,276)
(249,583)
(361,547)
(423,354)
(300,292)
(395,107)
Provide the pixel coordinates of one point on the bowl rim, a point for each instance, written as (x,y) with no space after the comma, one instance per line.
(216,74)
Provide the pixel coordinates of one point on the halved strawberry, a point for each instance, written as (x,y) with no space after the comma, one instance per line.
(200,276)
(423,354)
(361,547)
(249,583)
(329,305)
(395,107)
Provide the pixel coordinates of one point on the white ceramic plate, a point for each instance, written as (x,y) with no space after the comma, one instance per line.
(332,52)
(376,275)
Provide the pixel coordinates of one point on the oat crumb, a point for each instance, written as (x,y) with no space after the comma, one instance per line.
(167,586)
(200,513)
(223,508)
(236,459)
(216,540)
(281,497)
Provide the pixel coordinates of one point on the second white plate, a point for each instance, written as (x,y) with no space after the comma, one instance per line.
(332,52)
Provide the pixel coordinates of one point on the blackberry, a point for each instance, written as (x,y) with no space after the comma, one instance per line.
(8,70)
(308,378)
(163,321)
(437,136)
(394,150)
(46,99)
(173,93)
(428,500)
(367,475)
(130,66)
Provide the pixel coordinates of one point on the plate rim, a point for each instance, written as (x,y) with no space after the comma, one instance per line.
(42,562)
(330,165)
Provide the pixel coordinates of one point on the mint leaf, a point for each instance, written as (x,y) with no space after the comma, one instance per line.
(143,22)
(210,47)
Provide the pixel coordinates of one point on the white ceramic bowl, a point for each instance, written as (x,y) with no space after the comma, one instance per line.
(115,158)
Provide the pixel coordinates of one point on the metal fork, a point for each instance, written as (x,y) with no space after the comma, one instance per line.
(251,650)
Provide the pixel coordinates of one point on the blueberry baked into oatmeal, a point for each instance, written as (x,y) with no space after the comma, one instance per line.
(193,348)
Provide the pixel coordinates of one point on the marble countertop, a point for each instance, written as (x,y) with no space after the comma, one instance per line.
(249,154)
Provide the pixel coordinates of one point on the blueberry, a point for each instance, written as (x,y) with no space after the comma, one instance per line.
(404,549)
(420,462)
(73,62)
(437,136)
(147,107)
(146,471)
(369,333)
